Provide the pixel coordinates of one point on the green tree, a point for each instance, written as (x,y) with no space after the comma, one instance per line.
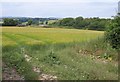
(79,22)
(29,22)
(46,22)
(67,22)
(78,19)
(113,34)
(95,23)
(10,22)
(35,22)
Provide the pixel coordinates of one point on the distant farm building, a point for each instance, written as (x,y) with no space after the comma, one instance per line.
(23,24)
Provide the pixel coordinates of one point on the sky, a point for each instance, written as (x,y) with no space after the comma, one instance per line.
(59,8)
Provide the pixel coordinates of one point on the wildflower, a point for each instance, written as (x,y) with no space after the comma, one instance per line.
(110,58)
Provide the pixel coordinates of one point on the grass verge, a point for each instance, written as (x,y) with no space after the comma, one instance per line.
(93,60)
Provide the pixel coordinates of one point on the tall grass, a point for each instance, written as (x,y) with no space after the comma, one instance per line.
(68,54)
(64,60)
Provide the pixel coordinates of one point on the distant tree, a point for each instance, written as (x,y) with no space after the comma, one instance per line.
(35,22)
(80,23)
(96,26)
(46,22)
(78,19)
(67,22)
(84,23)
(29,22)
(10,22)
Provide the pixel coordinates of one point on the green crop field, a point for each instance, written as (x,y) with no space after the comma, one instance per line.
(30,36)
(68,54)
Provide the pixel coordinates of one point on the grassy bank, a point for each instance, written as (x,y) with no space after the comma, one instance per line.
(67,54)
(66,61)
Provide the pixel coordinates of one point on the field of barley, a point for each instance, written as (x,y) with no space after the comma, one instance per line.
(56,53)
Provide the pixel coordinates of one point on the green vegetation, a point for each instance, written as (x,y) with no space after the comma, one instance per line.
(95,23)
(46,35)
(10,22)
(69,54)
(16,21)
(84,23)
(29,22)
(0,53)
(113,33)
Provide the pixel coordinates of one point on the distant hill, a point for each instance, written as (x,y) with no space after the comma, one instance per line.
(25,19)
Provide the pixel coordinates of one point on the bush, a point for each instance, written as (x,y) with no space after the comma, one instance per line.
(10,22)
(113,33)
(113,37)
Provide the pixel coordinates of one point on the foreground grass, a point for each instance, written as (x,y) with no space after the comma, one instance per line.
(0,62)
(58,52)
(61,60)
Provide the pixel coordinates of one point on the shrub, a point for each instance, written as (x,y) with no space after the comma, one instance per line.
(113,33)
(113,37)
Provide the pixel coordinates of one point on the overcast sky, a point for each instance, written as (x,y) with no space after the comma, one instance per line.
(59,8)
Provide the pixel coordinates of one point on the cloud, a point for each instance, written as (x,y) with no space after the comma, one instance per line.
(59,0)
(59,9)
(0,10)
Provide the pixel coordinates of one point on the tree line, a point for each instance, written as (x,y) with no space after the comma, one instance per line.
(84,23)
(95,23)
(14,21)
